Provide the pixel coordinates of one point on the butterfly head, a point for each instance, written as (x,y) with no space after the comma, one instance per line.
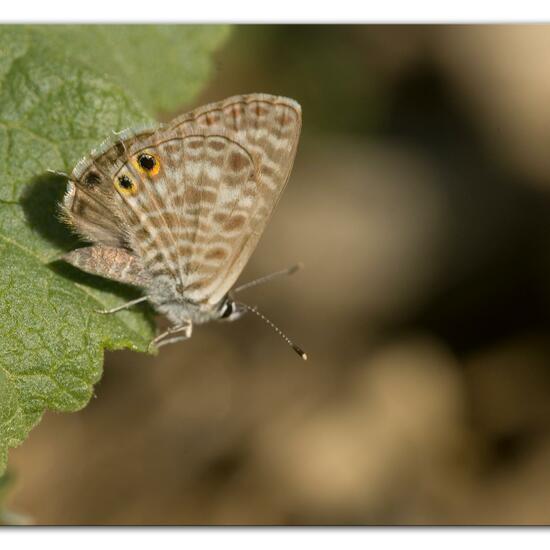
(230,310)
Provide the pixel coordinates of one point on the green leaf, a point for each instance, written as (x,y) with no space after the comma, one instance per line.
(163,66)
(62,91)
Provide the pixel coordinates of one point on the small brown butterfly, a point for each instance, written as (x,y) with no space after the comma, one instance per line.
(178,209)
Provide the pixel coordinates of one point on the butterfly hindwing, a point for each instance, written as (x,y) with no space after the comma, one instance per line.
(268,128)
(89,205)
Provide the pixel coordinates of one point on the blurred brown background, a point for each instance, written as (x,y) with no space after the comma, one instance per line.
(420,206)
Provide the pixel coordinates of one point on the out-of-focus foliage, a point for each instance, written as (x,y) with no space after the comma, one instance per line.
(325,69)
(8,517)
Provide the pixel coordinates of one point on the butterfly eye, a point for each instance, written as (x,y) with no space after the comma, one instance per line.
(227,310)
(125,185)
(148,164)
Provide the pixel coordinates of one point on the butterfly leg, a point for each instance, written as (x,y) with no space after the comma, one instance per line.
(123,306)
(161,340)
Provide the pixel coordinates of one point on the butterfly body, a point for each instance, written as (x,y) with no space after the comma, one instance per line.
(178,209)
(173,303)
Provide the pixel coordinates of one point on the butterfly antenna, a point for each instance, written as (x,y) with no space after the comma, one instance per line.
(296,348)
(288,271)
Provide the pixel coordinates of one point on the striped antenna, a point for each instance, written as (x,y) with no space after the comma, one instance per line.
(296,348)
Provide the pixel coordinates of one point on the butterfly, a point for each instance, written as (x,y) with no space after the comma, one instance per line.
(177,209)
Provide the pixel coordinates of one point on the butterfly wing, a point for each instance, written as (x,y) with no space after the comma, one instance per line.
(268,128)
(89,205)
(197,219)
(186,221)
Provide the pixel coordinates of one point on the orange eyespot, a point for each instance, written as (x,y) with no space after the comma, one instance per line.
(148,164)
(125,186)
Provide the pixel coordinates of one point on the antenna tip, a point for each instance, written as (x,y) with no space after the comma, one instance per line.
(300,352)
(297,267)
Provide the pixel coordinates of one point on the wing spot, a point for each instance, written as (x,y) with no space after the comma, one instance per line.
(158,258)
(119,148)
(92,179)
(195,143)
(267,170)
(192,195)
(148,164)
(142,234)
(234,223)
(216,144)
(260,110)
(237,161)
(195,196)
(216,254)
(125,185)
(235,110)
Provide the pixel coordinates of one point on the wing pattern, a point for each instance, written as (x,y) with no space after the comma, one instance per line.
(196,221)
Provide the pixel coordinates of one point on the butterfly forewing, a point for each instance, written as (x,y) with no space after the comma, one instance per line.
(196,220)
